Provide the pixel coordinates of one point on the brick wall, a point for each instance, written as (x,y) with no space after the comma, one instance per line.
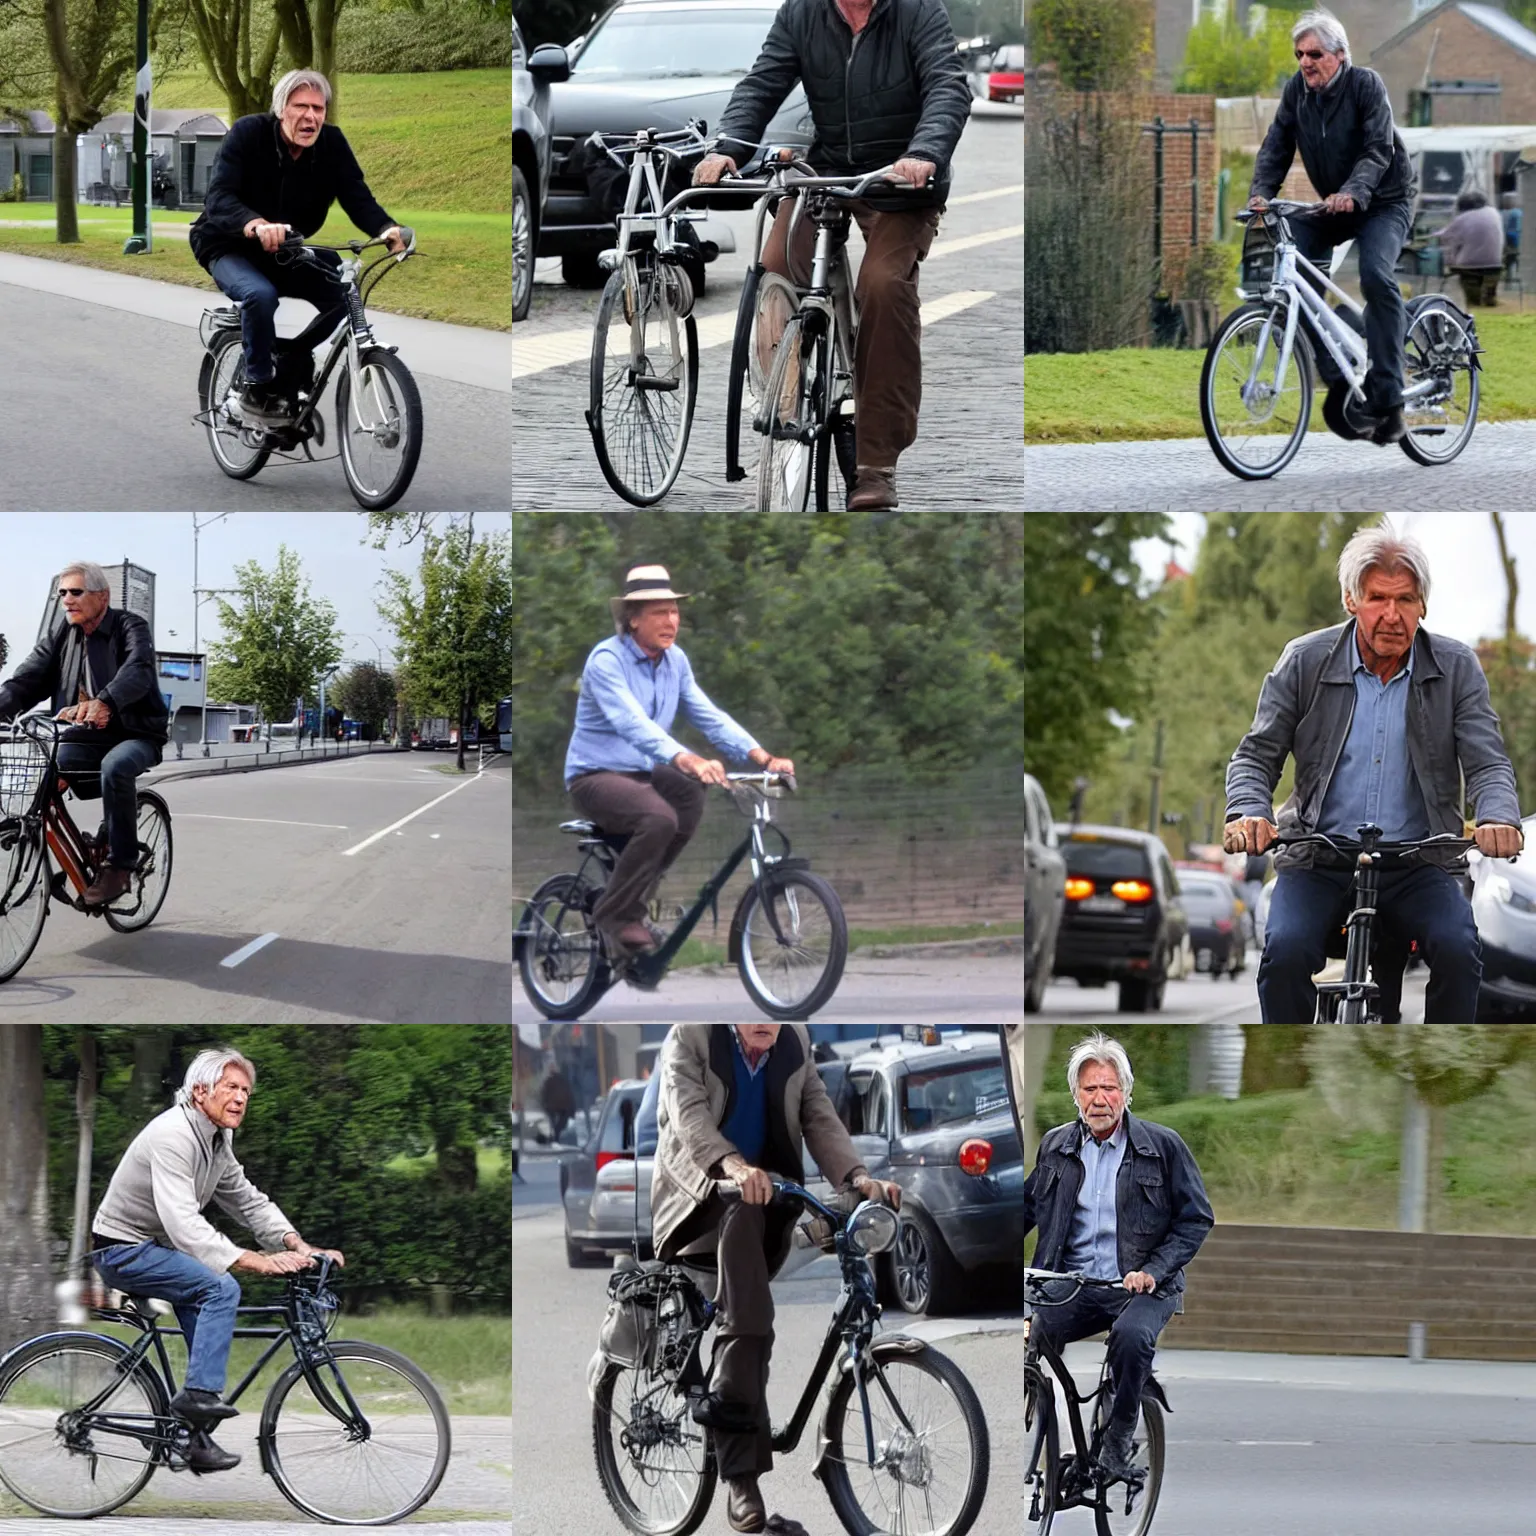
(1465,51)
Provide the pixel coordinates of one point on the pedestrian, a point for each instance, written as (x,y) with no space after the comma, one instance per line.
(558,1100)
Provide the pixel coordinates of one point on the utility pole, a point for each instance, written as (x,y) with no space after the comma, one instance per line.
(197,528)
(141,241)
(1154,810)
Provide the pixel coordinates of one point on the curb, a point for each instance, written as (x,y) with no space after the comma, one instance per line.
(999,944)
(205,768)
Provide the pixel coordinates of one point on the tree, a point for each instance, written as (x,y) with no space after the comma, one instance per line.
(26,1292)
(558,21)
(240,41)
(365,693)
(277,642)
(1222,57)
(1096,45)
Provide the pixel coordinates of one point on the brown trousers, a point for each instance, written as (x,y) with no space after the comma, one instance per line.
(660,811)
(888,352)
(744,1344)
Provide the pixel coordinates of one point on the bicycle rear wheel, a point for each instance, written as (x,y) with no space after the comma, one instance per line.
(139,907)
(1042,1455)
(235,446)
(792,972)
(1109,1511)
(1441,351)
(561,959)
(371,1472)
(24,892)
(1255,419)
(379,424)
(932,1453)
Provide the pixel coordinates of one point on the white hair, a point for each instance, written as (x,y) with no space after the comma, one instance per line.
(1101,1049)
(292,81)
(1381,549)
(1326,28)
(94,577)
(208,1067)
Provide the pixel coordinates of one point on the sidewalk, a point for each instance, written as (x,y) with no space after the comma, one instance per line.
(464,354)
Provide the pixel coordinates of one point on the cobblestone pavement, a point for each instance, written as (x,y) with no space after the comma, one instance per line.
(972,292)
(1182,475)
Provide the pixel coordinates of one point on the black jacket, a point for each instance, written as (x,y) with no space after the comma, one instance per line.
(1347,140)
(1161,1211)
(122,653)
(255,177)
(896,89)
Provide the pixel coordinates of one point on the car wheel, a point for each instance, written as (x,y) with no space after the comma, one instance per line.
(578,1257)
(522,246)
(927,1279)
(1034,988)
(580,270)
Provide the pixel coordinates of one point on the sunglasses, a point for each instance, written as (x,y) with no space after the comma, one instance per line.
(71,591)
(1309,53)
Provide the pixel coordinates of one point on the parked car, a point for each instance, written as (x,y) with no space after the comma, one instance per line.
(1045,880)
(650,64)
(1504,908)
(531,80)
(1216,927)
(597,1184)
(1124,919)
(1005,78)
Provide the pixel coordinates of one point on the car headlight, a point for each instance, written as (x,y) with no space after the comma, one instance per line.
(872,1228)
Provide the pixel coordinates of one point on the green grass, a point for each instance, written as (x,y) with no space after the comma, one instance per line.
(1134,393)
(490,1161)
(708,952)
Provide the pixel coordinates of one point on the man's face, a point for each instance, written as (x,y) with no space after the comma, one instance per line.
(1317,72)
(656,627)
(758,1037)
(84,607)
(225,1102)
(1389,613)
(1100,1098)
(304,116)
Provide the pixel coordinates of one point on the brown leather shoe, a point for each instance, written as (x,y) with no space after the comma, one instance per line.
(744,1507)
(874,490)
(109,885)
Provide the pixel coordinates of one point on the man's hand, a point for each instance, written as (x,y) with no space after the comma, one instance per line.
(1248,834)
(879,1189)
(1257,204)
(271,236)
(918,172)
(755,1185)
(273,1263)
(71,713)
(393,239)
(1139,1280)
(711,168)
(298,1245)
(1498,841)
(706,770)
(759,757)
(1339,202)
(96,712)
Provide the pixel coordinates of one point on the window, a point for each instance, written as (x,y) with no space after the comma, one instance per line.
(952,1095)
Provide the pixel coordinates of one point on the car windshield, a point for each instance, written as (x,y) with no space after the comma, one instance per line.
(1120,861)
(950,1095)
(642,43)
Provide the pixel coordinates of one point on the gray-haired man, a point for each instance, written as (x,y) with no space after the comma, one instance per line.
(150,1237)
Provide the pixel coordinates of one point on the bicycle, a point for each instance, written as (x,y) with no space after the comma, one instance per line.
(351,1433)
(902,1444)
(1054,1481)
(378,407)
(788,936)
(1256,382)
(36,828)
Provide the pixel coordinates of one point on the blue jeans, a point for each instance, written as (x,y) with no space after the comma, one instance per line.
(256,282)
(205,1302)
(120,765)
(1421,902)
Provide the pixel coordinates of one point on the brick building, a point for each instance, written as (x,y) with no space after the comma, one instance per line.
(1478,61)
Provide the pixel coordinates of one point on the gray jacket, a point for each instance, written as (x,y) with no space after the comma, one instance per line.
(1305,708)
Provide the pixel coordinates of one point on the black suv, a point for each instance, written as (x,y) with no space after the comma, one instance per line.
(1124,920)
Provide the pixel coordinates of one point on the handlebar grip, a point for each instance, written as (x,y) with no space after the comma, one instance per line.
(788,781)
(407,234)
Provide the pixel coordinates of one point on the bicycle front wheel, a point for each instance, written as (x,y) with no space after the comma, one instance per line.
(236,447)
(1042,1455)
(68,1465)
(371,1469)
(141,904)
(379,424)
(24,892)
(1255,416)
(1110,1513)
(644,377)
(932,1454)
(560,956)
(791,949)
(791,421)
(1440,405)
(655,1464)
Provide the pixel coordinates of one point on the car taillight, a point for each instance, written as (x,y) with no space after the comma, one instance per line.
(604,1158)
(1132,890)
(975,1156)
(1078,888)
(1223,925)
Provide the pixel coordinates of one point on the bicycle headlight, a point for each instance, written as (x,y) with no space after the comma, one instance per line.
(872,1228)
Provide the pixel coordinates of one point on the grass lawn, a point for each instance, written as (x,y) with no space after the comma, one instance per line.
(1138,393)
(707,952)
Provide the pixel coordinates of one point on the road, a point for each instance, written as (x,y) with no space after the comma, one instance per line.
(981,989)
(1182,475)
(380,905)
(972,290)
(1290,1445)
(555,1320)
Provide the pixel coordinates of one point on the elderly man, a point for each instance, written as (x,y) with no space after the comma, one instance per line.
(1338,115)
(1115,1198)
(740,1105)
(99,668)
(279,171)
(1386,722)
(149,1235)
(624,769)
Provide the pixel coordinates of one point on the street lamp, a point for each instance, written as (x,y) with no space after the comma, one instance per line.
(198,593)
(141,241)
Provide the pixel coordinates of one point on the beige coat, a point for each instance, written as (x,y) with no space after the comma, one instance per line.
(697,1074)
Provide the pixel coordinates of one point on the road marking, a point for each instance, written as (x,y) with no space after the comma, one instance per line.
(369,841)
(953,304)
(1277,1442)
(263,821)
(981,197)
(970,242)
(229,962)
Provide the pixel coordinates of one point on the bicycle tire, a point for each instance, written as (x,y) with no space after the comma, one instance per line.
(740,399)
(1431,320)
(223,374)
(786,459)
(695,1507)
(1042,1455)
(914,1463)
(798,1005)
(403,419)
(342,1350)
(152,876)
(836,445)
(642,288)
(1242,318)
(143,1378)
(24,867)
(1109,1518)
(598,978)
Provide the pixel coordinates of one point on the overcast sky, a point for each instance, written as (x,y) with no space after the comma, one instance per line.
(35,545)
(1466,598)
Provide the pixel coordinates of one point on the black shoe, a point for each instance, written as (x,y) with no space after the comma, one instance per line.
(204,1456)
(715,1412)
(263,401)
(1115,1458)
(199,1407)
(1390,427)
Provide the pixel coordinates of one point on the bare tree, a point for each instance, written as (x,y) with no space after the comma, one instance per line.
(26,1299)
(242,64)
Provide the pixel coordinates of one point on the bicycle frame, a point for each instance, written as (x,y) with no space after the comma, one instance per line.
(1038,1347)
(61,835)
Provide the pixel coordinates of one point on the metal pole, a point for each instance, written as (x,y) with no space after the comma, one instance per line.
(1154,811)
(1157,196)
(141,241)
(1194,181)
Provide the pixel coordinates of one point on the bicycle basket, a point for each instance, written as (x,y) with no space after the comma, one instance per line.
(1258,253)
(628,1333)
(22,765)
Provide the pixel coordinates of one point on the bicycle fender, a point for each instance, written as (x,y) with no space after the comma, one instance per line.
(63,1335)
(889,1345)
(1154,1390)
(739,917)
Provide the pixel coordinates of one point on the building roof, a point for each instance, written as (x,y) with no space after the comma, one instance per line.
(165,121)
(39,122)
(1502,25)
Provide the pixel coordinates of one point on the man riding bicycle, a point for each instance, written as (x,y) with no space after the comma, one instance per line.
(885,86)
(279,171)
(624,770)
(1385,722)
(99,669)
(1339,116)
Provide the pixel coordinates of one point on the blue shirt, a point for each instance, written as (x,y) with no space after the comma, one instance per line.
(627,705)
(1374,780)
(1093,1247)
(746,1127)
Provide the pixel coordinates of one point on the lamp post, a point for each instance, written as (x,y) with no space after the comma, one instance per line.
(198,593)
(141,241)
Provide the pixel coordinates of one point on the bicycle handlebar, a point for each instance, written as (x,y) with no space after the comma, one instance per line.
(844,188)
(764,779)
(785,1191)
(1348,848)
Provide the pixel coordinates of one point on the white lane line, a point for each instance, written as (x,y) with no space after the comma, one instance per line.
(942,247)
(395,825)
(229,962)
(261,821)
(953,304)
(981,197)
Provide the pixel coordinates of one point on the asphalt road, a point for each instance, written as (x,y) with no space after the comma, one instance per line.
(556,1314)
(972,290)
(413,924)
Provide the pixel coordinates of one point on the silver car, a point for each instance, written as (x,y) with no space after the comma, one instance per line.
(531,79)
